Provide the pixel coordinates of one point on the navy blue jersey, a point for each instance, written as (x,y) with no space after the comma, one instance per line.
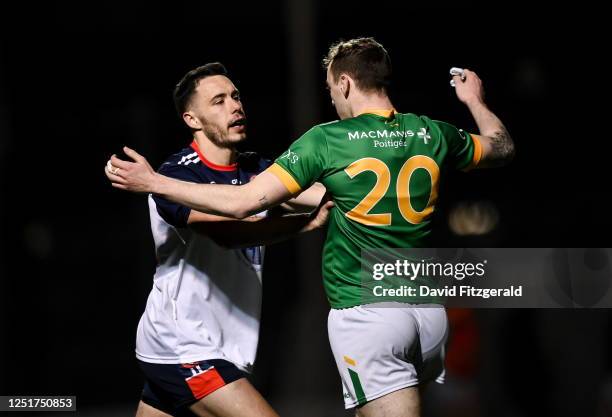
(206,299)
(190,165)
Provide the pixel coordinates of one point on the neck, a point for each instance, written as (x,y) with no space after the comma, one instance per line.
(369,102)
(213,152)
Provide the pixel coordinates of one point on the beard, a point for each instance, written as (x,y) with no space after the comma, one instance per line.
(219,136)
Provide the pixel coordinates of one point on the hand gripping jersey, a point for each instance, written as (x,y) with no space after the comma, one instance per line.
(206,300)
(383,170)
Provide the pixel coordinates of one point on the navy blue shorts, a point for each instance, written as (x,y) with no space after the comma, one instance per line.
(172,388)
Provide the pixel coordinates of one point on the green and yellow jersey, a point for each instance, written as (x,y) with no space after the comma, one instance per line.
(382,169)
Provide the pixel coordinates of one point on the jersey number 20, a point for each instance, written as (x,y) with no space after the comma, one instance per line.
(361,212)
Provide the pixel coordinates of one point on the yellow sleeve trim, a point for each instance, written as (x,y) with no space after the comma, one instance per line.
(477,152)
(286,178)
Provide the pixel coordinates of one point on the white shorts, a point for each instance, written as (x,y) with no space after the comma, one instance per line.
(381,348)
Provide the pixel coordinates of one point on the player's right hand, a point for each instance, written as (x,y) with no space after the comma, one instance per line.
(469,90)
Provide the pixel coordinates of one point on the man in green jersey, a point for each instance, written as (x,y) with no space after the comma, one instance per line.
(382,169)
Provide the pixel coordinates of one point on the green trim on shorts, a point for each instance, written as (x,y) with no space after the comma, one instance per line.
(361,398)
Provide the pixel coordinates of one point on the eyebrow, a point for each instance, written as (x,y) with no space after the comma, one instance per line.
(221,95)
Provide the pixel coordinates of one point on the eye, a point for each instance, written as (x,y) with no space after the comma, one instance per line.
(218,102)
(236,96)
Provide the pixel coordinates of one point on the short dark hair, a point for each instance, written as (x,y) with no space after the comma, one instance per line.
(185,88)
(364,59)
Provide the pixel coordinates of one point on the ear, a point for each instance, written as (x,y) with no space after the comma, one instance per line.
(191,121)
(345,85)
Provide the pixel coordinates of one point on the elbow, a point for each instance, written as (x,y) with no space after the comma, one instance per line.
(240,210)
(246,206)
(241,215)
(502,150)
(234,208)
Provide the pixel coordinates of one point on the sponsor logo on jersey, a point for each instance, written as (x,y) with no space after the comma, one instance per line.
(291,156)
(422,133)
(389,134)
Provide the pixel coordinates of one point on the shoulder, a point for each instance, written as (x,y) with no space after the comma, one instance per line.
(320,131)
(328,124)
(185,156)
(445,128)
(437,126)
(334,125)
(181,165)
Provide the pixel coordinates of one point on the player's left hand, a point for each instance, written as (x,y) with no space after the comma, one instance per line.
(469,87)
(136,176)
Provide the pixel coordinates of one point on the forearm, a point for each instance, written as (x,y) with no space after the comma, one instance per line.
(235,201)
(264,231)
(488,123)
(500,147)
(225,200)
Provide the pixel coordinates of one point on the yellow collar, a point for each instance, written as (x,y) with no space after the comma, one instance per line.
(379,112)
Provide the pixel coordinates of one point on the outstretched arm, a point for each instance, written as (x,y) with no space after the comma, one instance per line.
(238,202)
(497,145)
(231,233)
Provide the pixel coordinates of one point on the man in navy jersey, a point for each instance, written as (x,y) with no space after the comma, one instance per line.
(197,338)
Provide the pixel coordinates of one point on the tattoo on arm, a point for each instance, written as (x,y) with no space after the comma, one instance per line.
(263,202)
(502,148)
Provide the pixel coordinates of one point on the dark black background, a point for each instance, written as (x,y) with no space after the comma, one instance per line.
(78,81)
